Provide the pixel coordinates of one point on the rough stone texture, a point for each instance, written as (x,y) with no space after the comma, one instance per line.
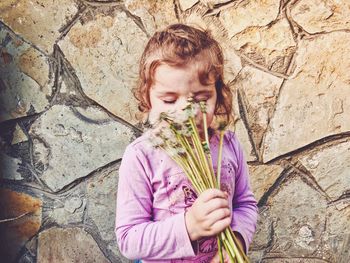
(105,60)
(338,233)
(248,14)
(68,245)
(197,18)
(322,16)
(259,91)
(262,177)
(271,46)
(102,192)
(72,152)
(186,4)
(332,174)
(155,14)
(24,77)
(9,167)
(300,222)
(14,233)
(62,134)
(318,85)
(18,135)
(27,19)
(68,210)
(241,130)
(264,231)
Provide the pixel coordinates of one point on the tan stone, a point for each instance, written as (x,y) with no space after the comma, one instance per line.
(34,64)
(186,4)
(19,135)
(312,103)
(70,143)
(271,46)
(322,16)
(239,128)
(248,14)
(14,233)
(330,167)
(106,61)
(259,91)
(68,245)
(155,14)
(262,177)
(38,21)
(24,78)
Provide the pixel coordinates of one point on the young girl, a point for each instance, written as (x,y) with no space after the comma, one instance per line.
(159,217)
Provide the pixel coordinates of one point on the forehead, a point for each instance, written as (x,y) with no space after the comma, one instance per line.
(179,79)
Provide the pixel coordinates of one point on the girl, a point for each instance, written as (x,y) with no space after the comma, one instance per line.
(159,218)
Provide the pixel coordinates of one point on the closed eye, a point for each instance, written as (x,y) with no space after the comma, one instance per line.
(169,101)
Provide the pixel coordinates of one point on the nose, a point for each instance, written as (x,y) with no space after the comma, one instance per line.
(181,104)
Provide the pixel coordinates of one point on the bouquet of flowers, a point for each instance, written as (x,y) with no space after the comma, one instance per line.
(179,137)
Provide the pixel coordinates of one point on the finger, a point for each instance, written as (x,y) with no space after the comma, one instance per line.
(218,215)
(215,204)
(215,259)
(212,193)
(220,225)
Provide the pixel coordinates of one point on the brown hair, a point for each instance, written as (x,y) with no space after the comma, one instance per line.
(177,45)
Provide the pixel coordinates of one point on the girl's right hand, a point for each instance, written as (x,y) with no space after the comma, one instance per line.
(209,215)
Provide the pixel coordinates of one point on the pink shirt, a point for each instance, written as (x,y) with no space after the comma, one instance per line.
(154,193)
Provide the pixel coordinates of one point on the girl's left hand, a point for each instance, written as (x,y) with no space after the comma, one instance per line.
(216,258)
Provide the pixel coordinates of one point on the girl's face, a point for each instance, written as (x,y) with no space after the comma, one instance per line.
(174,85)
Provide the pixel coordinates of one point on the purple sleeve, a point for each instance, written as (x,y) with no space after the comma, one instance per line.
(244,205)
(139,237)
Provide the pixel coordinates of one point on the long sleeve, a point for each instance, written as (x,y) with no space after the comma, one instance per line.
(245,211)
(138,236)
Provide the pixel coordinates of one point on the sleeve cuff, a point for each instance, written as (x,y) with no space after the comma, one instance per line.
(182,239)
(244,237)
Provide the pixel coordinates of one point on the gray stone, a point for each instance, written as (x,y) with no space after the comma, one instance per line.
(68,210)
(332,174)
(259,91)
(102,193)
(322,16)
(300,213)
(271,46)
(62,134)
(38,21)
(248,14)
(294,260)
(9,167)
(320,87)
(24,78)
(105,60)
(68,245)
(264,231)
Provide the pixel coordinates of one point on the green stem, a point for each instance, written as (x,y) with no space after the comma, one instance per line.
(218,173)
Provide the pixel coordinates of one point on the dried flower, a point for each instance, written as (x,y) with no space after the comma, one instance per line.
(179,137)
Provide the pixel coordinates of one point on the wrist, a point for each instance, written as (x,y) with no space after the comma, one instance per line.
(190,227)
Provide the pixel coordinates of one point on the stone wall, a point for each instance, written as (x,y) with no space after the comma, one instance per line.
(67,113)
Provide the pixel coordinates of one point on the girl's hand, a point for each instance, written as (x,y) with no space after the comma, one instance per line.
(216,258)
(209,215)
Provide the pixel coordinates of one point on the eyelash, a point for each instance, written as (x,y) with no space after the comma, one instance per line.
(173,101)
